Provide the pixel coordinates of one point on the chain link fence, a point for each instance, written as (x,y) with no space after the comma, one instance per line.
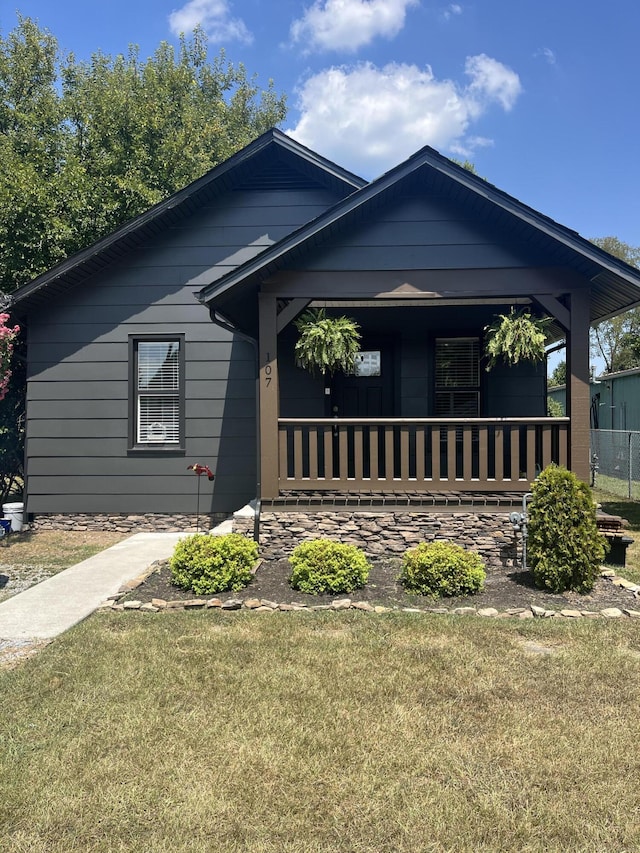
(615,461)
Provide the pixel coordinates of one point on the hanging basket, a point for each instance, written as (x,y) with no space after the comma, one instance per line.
(326,344)
(514,337)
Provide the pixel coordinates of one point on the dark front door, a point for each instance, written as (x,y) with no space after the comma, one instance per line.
(368,393)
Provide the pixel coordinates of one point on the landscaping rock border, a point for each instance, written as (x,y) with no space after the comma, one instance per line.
(261,605)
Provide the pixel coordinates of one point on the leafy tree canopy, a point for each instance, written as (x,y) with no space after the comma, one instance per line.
(617,341)
(559,375)
(84,146)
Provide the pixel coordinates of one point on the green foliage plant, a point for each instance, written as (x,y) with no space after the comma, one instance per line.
(326,344)
(326,566)
(559,375)
(565,548)
(208,564)
(514,337)
(442,569)
(555,409)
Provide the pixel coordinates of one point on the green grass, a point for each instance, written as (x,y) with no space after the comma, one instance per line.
(629,509)
(616,486)
(323,732)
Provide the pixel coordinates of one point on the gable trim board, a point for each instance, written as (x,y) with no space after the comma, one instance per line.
(392,245)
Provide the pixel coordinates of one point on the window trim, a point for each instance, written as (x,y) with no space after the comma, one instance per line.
(155,448)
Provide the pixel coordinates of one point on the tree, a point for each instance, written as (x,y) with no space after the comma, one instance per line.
(559,375)
(84,146)
(617,341)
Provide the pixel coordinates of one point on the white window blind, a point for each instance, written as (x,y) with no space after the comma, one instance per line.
(457,377)
(158,392)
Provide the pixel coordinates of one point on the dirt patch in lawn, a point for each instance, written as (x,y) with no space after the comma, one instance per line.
(505,588)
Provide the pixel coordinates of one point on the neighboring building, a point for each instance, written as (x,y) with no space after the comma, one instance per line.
(615,400)
(142,349)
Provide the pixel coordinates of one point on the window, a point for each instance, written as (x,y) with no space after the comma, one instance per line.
(457,382)
(157,398)
(367,363)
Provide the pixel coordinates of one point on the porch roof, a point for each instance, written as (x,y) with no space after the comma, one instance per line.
(615,285)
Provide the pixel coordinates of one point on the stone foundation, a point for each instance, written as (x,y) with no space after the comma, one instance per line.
(126,523)
(386,533)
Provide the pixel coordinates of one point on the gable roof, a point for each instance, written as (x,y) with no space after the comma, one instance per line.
(615,284)
(273,159)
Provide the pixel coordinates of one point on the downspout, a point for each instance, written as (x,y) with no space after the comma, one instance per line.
(221,321)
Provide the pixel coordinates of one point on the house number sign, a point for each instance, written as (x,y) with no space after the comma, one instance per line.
(267,370)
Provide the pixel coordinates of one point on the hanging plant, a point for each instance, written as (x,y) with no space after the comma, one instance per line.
(516,336)
(326,344)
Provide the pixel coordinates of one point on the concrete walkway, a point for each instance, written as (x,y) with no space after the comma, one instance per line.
(51,607)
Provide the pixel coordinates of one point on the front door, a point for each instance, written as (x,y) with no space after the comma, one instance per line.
(366,394)
(369,392)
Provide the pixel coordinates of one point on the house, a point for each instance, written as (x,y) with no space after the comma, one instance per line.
(171,342)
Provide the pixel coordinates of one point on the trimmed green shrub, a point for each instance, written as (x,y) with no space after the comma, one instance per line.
(208,564)
(565,548)
(442,568)
(326,566)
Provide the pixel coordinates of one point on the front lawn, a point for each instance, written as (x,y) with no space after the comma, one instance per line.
(629,509)
(304,732)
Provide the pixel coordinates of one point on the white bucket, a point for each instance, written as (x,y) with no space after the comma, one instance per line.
(15,514)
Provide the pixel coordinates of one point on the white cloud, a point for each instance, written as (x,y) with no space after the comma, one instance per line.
(368,118)
(547,54)
(214,16)
(492,81)
(349,24)
(451,10)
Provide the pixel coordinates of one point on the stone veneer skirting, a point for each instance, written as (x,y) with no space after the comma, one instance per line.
(125,523)
(385,533)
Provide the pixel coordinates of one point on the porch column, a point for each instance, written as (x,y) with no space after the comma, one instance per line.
(268,396)
(579,397)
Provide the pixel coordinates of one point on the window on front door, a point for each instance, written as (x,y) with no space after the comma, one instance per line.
(457,377)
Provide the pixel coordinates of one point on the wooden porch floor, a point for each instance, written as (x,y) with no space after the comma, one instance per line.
(420,501)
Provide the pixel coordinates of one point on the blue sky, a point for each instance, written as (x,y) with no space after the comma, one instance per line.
(542,96)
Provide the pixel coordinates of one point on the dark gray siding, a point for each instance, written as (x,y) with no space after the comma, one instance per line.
(423,234)
(519,391)
(77,402)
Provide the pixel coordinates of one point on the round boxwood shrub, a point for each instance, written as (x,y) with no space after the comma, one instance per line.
(208,564)
(442,568)
(326,566)
(565,548)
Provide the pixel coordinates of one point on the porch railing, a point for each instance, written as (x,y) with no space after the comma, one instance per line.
(418,454)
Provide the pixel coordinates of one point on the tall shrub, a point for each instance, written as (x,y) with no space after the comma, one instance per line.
(565,547)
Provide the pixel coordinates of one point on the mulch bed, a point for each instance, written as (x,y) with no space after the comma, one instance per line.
(505,588)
